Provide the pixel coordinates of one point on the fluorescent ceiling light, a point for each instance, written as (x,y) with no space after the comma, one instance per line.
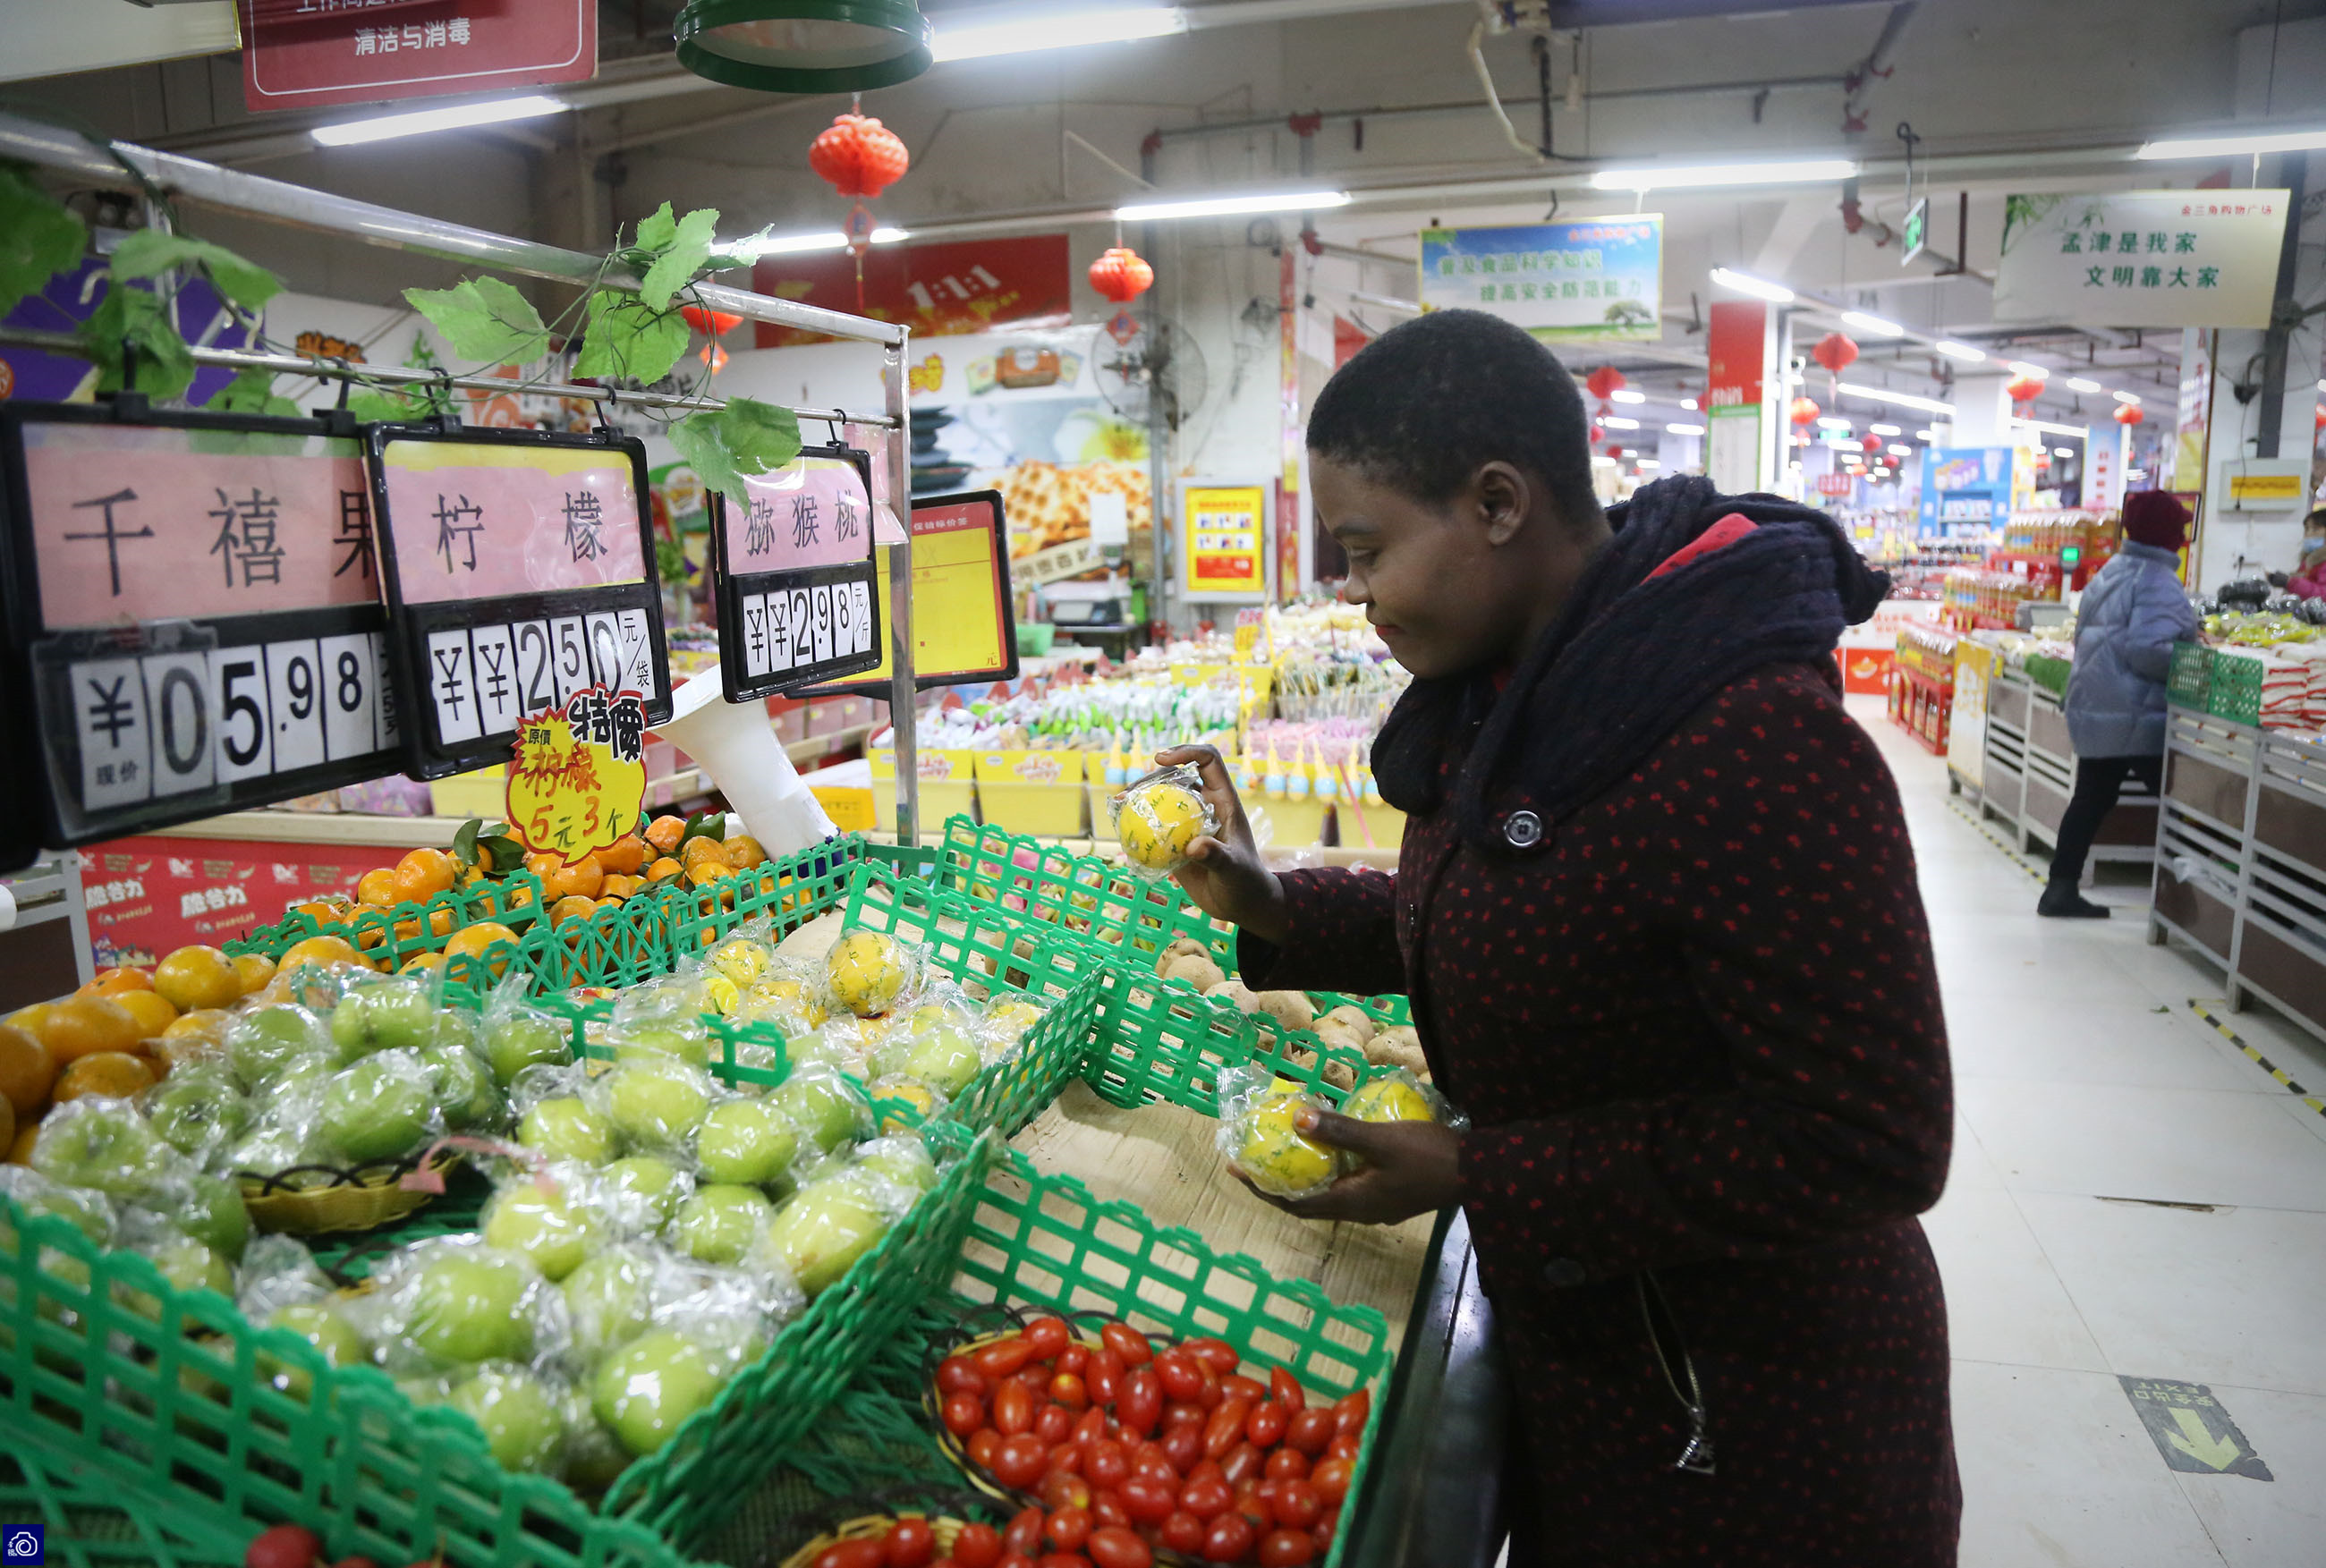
(1652,177)
(2063,451)
(2039,372)
(1926,435)
(2047,428)
(1647,463)
(1685,428)
(1834,422)
(488,112)
(1962,351)
(1904,400)
(2081,383)
(1227,206)
(1617,421)
(1601,461)
(759,244)
(1689,403)
(1022,33)
(1882,430)
(1746,283)
(2133,398)
(1874,324)
(2232,146)
(1903,452)
(1625,395)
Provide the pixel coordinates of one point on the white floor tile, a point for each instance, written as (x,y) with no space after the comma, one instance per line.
(2058,1038)
(2276,1524)
(2058,1473)
(1971,1170)
(2231,1296)
(2180,1146)
(2306,1113)
(2004,1300)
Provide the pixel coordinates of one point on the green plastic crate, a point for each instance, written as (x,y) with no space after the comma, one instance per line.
(2233,691)
(86,1524)
(2190,681)
(395,936)
(1043,1241)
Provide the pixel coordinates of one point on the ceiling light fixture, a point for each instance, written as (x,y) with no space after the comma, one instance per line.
(1788,172)
(803,46)
(1012,32)
(457,117)
(1833,422)
(759,244)
(1962,351)
(2046,427)
(1882,430)
(1926,435)
(1625,395)
(1903,399)
(2131,397)
(1646,463)
(2063,451)
(1746,283)
(2232,146)
(1898,450)
(1689,403)
(2081,384)
(1228,205)
(1874,324)
(1617,421)
(1685,428)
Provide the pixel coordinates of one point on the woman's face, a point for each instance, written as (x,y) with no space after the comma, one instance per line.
(1447,586)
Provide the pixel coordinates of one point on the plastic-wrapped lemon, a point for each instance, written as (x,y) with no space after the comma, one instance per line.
(785,999)
(1274,1154)
(1389,1099)
(1158,822)
(741,959)
(1011,1016)
(867,970)
(721,993)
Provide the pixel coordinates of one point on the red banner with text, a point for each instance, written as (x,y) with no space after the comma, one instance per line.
(301,53)
(938,290)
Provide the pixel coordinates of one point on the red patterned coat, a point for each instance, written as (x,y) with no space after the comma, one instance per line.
(1699,1037)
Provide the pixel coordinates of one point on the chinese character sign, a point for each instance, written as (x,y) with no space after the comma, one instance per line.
(1225,540)
(580,775)
(1599,279)
(299,54)
(811,512)
(2142,258)
(479,520)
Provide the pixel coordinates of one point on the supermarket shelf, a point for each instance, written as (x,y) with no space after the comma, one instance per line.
(2030,768)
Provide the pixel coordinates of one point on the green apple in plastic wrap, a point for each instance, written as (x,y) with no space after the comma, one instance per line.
(720,1222)
(747,1142)
(521,1417)
(542,1224)
(651,1041)
(210,1210)
(645,1391)
(594,1457)
(383,1018)
(267,1040)
(901,1158)
(470,1306)
(105,1144)
(381,1107)
(184,1264)
(524,1040)
(567,1130)
(610,1300)
(464,1086)
(334,1339)
(824,1229)
(198,1108)
(821,1106)
(656,1102)
(655,1186)
(946,1057)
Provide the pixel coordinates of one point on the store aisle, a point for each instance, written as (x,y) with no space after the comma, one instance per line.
(2132,1197)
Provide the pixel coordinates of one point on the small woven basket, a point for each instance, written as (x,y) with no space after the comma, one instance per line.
(319,1200)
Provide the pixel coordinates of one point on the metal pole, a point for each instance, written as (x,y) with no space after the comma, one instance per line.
(903,709)
(2293,169)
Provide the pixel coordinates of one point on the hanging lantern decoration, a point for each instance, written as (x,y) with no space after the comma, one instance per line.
(1872,443)
(859,156)
(2024,388)
(2128,414)
(1836,352)
(1604,383)
(1122,274)
(711,323)
(1803,410)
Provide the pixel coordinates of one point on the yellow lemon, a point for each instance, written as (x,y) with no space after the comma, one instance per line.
(740,961)
(1157,825)
(866,971)
(1388,1100)
(722,994)
(1277,1157)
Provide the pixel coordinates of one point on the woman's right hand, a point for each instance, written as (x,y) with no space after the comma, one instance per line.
(1223,875)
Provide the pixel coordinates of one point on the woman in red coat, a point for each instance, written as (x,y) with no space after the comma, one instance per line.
(1656,913)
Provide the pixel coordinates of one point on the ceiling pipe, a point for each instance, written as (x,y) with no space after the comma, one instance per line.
(1876,64)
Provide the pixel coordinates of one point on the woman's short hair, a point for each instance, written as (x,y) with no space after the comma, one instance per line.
(1429,403)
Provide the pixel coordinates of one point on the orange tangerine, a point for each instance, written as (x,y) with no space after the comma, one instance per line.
(8,1122)
(80,1026)
(117,1074)
(26,1072)
(441,923)
(560,881)
(422,874)
(253,970)
(609,903)
(664,869)
(665,833)
(625,855)
(332,911)
(616,887)
(697,849)
(28,1019)
(518,896)
(420,963)
(744,851)
(376,887)
(197,977)
(20,1153)
(150,1009)
(574,907)
(471,941)
(324,950)
(705,871)
(113,982)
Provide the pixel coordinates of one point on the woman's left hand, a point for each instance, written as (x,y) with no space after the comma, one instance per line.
(1410,1167)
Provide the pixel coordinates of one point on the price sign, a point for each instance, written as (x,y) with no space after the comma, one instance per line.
(799,599)
(519,572)
(1223,541)
(963,630)
(193,608)
(580,773)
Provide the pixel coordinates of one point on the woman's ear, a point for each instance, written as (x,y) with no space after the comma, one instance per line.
(1503,499)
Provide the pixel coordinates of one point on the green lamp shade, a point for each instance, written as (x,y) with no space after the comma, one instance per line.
(804,46)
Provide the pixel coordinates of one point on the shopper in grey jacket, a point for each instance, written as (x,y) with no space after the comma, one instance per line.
(2132,613)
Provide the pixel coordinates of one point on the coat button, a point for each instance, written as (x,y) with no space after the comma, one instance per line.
(1523,829)
(1561,1273)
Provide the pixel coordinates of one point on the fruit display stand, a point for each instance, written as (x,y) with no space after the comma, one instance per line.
(1923,686)
(2028,772)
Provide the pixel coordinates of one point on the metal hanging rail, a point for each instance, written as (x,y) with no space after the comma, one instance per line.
(126,166)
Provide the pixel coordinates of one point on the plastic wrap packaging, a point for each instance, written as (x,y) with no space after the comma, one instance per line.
(384,1012)
(610,1298)
(514,1035)
(748,1141)
(200,1110)
(723,1223)
(185,1262)
(1258,1134)
(383,1107)
(655,1103)
(835,1218)
(705,1323)
(561,1112)
(828,1110)
(287,1131)
(87,1211)
(899,1157)
(638,1195)
(1400,1095)
(1008,1017)
(935,1043)
(522,1411)
(869,972)
(553,1216)
(927,1103)
(107,1145)
(277,1272)
(450,1302)
(277,1041)
(1159,816)
(663,1017)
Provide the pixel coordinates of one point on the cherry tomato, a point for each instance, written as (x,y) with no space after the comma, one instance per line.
(1210,1394)
(1182,1531)
(1018,1462)
(1068,1528)
(1065,1458)
(1091,1428)
(1106,1508)
(1287,1464)
(1108,1465)
(1185,1413)
(1062,1490)
(1310,1432)
(1054,1422)
(1140,1404)
(1229,1539)
(1236,1386)
(982,1444)
(1024,1535)
(1350,1413)
(963,1414)
(1243,1463)
(1014,1560)
(1147,1459)
(1224,1430)
(1062,1560)
(1067,1390)
(1256,1505)
(1207,1467)
(1149,1501)
(1181,1374)
(1002,1357)
(1268,1424)
(1298,1504)
(1013,1409)
(1127,1343)
(1073,1358)
(1345,1446)
(977,1546)
(1113,1547)
(852,1554)
(283,1546)
(1287,1549)
(910,1544)
(1331,1479)
(1323,1535)
(1217,1354)
(956,1376)
(1104,1376)
(1206,1497)
(1182,1446)
(1285,1390)
(1049,1336)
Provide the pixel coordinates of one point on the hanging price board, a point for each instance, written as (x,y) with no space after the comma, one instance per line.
(519,570)
(193,615)
(799,599)
(963,629)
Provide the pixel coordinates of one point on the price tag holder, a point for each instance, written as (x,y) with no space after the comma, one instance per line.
(797,578)
(964,630)
(193,611)
(519,570)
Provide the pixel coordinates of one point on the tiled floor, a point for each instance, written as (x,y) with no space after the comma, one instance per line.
(2091,1096)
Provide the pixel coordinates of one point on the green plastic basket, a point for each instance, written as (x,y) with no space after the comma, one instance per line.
(84,1524)
(2190,679)
(1043,1241)
(396,935)
(2234,692)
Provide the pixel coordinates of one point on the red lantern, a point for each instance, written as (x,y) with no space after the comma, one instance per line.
(1802,411)
(1835,351)
(2024,388)
(1122,275)
(2129,414)
(859,156)
(1872,443)
(711,323)
(1604,382)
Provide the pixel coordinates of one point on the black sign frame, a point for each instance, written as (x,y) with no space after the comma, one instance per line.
(737,682)
(1009,667)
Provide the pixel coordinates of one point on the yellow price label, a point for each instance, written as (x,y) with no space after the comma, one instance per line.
(580,777)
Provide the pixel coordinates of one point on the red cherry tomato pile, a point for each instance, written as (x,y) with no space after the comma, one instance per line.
(1131,1449)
